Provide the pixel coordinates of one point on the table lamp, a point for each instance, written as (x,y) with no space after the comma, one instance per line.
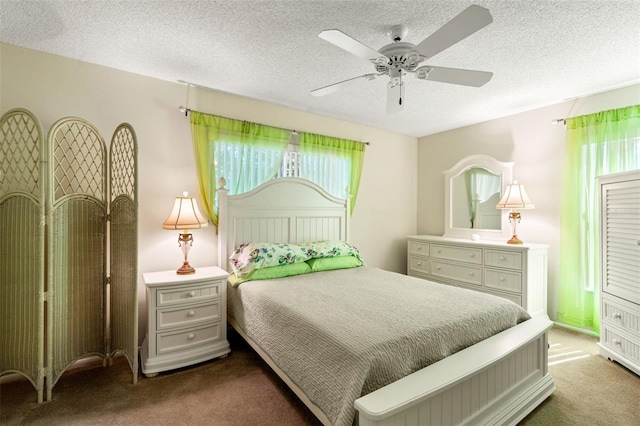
(514,198)
(184,216)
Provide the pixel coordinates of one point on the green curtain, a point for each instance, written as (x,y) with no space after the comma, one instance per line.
(332,163)
(596,144)
(246,154)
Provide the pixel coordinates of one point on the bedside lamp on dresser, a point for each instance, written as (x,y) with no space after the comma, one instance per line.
(185,215)
(187,308)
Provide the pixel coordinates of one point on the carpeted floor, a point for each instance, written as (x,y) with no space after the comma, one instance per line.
(242,390)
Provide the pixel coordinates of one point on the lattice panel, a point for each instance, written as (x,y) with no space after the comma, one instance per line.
(123,166)
(78,159)
(20,136)
(124,246)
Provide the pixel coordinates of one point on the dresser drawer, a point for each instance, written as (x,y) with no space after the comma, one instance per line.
(181,340)
(459,272)
(621,316)
(503,280)
(620,344)
(187,294)
(193,315)
(460,254)
(418,264)
(503,259)
(418,247)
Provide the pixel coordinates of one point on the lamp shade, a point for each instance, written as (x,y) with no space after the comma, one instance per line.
(515,197)
(185,214)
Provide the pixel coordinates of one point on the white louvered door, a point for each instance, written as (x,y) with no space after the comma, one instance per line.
(621,239)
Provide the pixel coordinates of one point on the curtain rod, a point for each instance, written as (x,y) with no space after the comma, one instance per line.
(186,112)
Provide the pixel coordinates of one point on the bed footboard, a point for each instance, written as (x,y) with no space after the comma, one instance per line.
(497,381)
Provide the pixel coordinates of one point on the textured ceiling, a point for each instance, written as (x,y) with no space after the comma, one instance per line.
(540,51)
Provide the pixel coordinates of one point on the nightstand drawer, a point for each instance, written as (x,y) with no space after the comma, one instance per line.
(460,254)
(418,247)
(464,273)
(418,264)
(187,294)
(503,280)
(180,317)
(503,259)
(181,340)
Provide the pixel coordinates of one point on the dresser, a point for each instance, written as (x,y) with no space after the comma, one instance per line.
(620,268)
(186,319)
(515,272)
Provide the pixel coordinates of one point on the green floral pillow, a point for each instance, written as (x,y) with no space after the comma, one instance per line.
(248,257)
(330,248)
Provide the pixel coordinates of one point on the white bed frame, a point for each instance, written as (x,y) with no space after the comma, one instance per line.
(495,382)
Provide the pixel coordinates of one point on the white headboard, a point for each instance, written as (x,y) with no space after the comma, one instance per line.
(283,210)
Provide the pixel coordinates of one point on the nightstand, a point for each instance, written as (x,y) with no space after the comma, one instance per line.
(186,319)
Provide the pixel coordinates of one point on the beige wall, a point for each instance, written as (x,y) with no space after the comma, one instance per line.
(53,87)
(535,145)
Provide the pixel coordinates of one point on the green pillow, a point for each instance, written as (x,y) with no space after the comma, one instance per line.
(330,263)
(271,273)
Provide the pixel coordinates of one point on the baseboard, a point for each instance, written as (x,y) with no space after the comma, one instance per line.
(576,329)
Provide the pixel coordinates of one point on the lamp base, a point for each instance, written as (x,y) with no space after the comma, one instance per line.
(185,269)
(514,240)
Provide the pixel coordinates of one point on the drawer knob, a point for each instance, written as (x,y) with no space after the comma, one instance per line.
(501,278)
(191,293)
(419,248)
(617,316)
(502,258)
(472,255)
(419,263)
(191,313)
(617,342)
(438,267)
(191,336)
(471,274)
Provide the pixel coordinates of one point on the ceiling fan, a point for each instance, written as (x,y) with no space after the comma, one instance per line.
(399,58)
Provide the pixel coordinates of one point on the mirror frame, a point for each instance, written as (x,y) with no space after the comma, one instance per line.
(504,169)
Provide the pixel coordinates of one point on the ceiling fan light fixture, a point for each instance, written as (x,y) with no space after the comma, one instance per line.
(413,57)
(423,73)
(381,60)
(399,57)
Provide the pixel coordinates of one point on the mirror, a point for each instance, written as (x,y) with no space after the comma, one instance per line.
(473,187)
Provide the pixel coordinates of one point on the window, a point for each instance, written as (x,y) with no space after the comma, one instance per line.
(597,144)
(248,154)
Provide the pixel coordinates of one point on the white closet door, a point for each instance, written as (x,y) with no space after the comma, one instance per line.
(621,239)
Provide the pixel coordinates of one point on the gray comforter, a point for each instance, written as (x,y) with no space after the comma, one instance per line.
(342,334)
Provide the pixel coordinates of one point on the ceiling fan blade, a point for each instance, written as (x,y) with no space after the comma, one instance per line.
(332,88)
(454,75)
(462,26)
(351,45)
(395,97)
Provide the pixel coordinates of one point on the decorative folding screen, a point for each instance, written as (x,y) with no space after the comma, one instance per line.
(124,246)
(76,233)
(22,213)
(76,215)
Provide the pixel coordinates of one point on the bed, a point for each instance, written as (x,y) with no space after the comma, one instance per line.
(497,379)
